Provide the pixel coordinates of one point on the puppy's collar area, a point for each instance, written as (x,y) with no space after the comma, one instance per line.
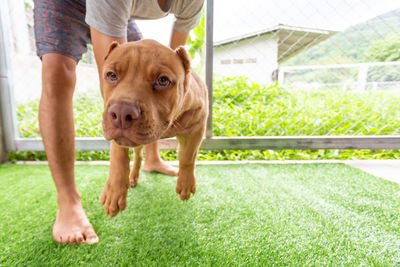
(189,129)
(183,124)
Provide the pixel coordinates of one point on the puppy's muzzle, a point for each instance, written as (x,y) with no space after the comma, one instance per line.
(123,115)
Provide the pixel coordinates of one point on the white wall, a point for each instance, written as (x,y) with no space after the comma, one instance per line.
(19,29)
(255,58)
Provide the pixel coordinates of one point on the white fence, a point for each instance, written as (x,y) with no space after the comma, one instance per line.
(359,83)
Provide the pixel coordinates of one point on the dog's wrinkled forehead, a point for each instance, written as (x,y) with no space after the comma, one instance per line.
(144,53)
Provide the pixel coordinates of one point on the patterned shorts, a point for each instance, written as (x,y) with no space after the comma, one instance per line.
(60,28)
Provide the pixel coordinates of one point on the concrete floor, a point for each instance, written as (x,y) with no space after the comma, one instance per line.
(387,169)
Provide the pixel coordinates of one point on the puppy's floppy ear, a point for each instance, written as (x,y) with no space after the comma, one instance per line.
(184,58)
(113,45)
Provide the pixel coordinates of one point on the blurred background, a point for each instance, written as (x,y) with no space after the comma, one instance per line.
(280,68)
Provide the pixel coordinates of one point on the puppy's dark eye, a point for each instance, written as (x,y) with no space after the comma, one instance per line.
(111,76)
(163,81)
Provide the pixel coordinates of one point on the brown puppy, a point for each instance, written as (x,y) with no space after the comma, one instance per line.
(150,92)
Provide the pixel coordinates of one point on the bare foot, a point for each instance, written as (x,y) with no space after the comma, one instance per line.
(161,167)
(73,227)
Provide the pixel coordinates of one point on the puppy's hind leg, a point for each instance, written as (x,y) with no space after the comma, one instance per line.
(137,162)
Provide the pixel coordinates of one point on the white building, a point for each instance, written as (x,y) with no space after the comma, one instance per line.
(258,55)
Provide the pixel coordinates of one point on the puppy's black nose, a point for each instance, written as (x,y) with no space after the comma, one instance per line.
(123,115)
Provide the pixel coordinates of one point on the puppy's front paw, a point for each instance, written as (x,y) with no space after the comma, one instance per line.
(185,185)
(113,198)
(134,178)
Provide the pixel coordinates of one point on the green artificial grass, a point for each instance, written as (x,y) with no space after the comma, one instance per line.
(241,215)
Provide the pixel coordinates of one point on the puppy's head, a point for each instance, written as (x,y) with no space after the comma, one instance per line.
(144,84)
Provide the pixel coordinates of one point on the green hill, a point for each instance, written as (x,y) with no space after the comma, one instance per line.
(357,43)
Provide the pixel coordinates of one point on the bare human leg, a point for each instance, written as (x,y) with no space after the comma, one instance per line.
(57,129)
(154,163)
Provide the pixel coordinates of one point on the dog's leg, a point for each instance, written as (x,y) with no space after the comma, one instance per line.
(115,190)
(137,163)
(188,147)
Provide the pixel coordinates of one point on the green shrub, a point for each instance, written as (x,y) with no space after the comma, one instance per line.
(243,108)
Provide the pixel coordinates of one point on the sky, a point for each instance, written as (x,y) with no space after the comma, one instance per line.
(234,18)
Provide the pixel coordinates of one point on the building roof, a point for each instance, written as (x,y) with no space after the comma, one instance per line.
(291,40)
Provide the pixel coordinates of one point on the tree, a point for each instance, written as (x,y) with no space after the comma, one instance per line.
(384,50)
